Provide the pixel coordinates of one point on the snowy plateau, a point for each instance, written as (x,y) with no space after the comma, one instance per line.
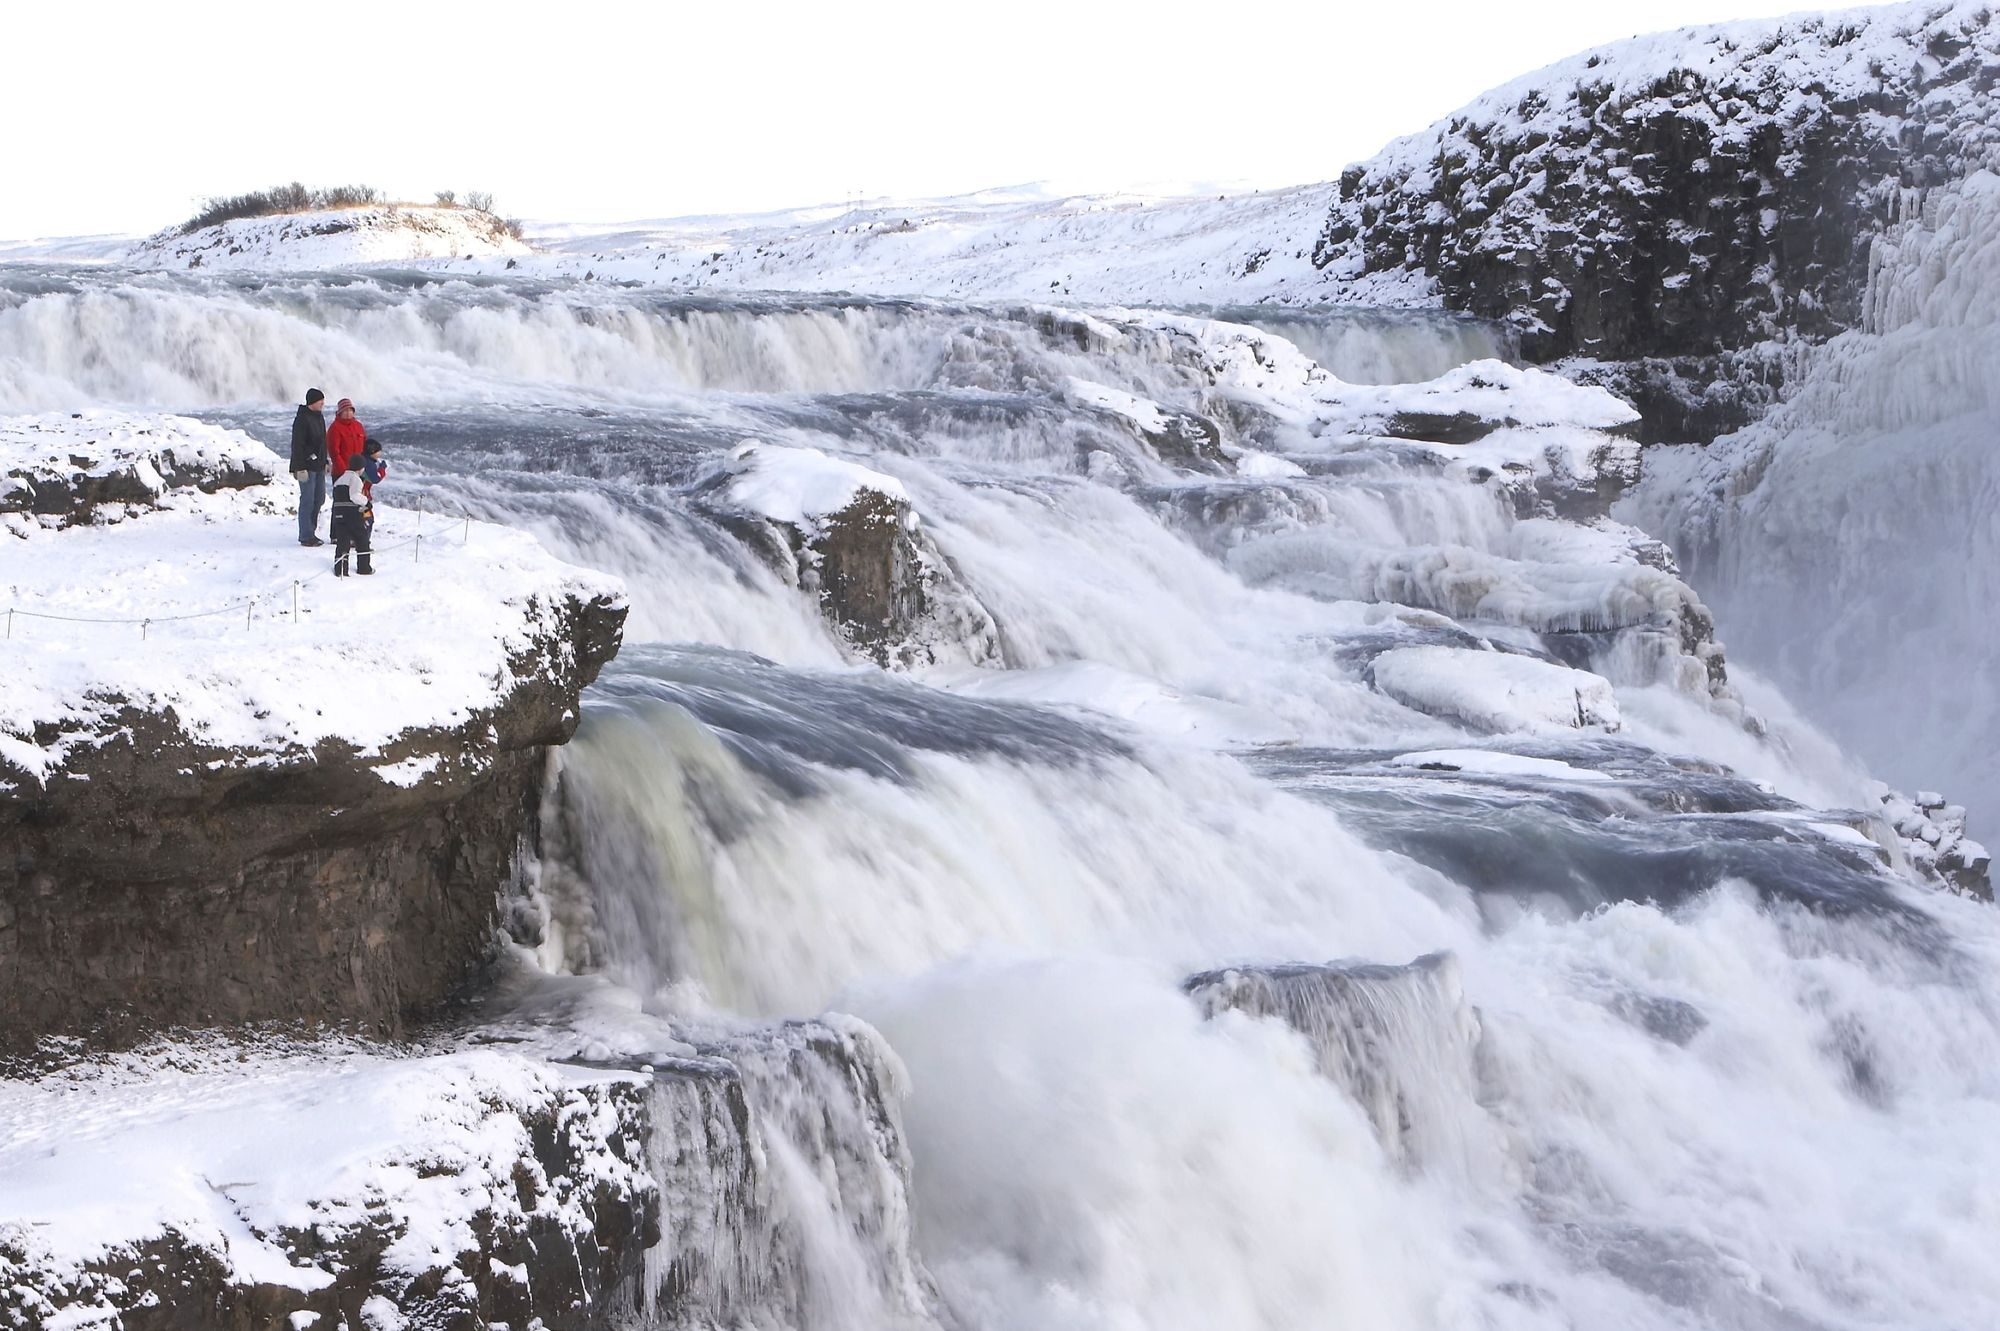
(1028,761)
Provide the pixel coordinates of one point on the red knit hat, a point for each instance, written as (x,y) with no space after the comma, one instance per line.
(345,404)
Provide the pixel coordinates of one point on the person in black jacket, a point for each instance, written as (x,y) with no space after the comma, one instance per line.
(309,464)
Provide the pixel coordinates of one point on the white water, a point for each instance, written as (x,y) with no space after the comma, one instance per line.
(1013,894)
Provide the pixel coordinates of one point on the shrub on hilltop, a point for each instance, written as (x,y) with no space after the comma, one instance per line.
(297,198)
(292,198)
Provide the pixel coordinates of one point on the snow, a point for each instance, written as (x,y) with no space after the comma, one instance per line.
(1496,691)
(329,238)
(1493,762)
(230,1147)
(1144,415)
(102,444)
(802,486)
(410,771)
(1520,146)
(187,604)
(1228,248)
(1268,466)
(1493,390)
(1146,704)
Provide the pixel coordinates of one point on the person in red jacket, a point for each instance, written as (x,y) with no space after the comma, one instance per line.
(345,437)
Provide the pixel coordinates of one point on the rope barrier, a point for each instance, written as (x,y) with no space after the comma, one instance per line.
(248,604)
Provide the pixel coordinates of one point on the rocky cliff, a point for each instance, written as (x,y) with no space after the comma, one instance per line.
(233,789)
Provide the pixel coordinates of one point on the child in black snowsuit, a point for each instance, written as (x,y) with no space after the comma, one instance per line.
(353,518)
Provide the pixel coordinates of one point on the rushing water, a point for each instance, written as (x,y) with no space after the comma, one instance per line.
(1695,1058)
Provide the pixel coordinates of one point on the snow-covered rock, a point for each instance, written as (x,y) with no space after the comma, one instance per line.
(1680,194)
(567,1165)
(170,596)
(331,238)
(1933,833)
(56,468)
(192,702)
(1495,691)
(849,537)
(211,1185)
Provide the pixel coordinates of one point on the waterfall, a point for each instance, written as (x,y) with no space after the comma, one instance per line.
(1849,537)
(1400,1040)
(1704,1053)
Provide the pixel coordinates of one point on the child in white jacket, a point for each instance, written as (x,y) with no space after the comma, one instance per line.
(353,517)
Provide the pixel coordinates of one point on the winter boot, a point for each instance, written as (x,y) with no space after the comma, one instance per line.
(361,564)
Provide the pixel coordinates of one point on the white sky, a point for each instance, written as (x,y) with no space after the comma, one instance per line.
(119,117)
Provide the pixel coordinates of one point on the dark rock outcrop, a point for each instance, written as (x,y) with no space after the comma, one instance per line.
(157,880)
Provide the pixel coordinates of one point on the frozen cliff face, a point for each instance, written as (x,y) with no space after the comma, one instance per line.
(1850,536)
(1680,194)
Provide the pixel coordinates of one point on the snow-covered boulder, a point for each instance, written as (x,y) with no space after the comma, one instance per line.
(319,782)
(56,468)
(850,537)
(1934,836)
(1474,400)
(322,1186)
(1495,691)
(331,238)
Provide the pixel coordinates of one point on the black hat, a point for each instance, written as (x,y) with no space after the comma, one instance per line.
(314,395)
(371,447)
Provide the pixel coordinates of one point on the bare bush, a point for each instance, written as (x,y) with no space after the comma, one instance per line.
(292,198)
(447,198)
(479,200)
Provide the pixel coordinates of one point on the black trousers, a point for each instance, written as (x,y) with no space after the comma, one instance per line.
(351,530)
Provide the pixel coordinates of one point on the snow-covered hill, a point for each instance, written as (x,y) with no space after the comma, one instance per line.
(330,238)
(999,244)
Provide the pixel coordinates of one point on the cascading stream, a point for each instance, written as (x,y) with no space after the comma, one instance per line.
(1696,1057)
